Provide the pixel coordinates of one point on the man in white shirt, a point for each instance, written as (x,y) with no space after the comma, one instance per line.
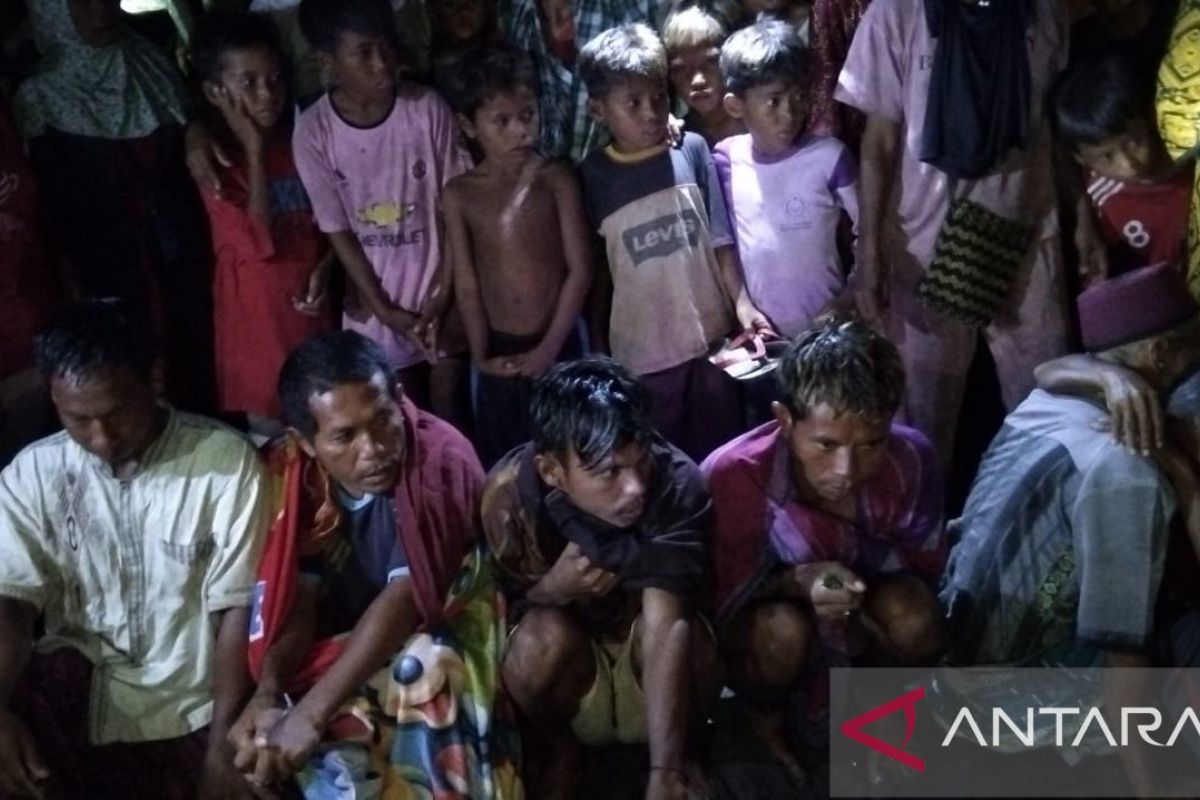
(130,544)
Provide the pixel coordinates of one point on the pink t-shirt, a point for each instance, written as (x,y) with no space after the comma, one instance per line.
(785,211)
(887,72)
(384,184)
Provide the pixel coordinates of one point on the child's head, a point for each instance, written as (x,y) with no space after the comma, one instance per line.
(625,72)
(459,23)
(693,36)
(355,41)
(591,431)
(236,55)
(493,91)
(765,66)
(1103,109)
(773,8)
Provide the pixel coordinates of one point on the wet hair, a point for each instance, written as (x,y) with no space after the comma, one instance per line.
(91,338)
(767,51)
(846,364)
(222,31)
(486,72)
(620,54)
(693,26)
(1097,99)
(322,22)
(592,406)
(322,363)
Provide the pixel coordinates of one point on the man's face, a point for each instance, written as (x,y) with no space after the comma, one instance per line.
(613,489)
(833,454)
(359,437)
(113,415)
(1136,154)
(506,124)
(635,111)
(774,113)
(696,76)
(363,66)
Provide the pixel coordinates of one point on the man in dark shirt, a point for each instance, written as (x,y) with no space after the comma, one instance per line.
(600,530)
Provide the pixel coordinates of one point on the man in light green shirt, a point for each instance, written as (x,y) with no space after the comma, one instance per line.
(133,536)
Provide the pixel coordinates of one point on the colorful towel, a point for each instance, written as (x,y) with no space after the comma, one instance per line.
(432,725)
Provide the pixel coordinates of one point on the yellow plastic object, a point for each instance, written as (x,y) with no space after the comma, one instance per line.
(1177,103)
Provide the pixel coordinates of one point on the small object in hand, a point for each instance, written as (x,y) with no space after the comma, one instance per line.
(831,581)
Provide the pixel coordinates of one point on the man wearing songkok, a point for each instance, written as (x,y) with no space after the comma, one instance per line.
(1061,547)
(129,545)
(828,539)
(374,614)
(599,529)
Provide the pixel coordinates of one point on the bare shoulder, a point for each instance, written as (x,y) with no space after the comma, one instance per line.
(558,172)
(458,189)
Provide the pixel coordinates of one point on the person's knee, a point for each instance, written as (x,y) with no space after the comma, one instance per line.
(774,640)
(549,659)
(909,616)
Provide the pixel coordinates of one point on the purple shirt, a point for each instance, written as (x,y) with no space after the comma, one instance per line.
(785,211)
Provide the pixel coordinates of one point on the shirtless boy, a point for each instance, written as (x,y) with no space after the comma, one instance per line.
(519,240)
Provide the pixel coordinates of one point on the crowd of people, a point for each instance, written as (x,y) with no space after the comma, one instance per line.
(448,387)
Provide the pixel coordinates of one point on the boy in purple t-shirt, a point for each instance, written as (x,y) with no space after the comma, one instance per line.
(786,193)
(374,155)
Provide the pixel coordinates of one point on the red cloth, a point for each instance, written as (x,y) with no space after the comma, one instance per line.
(437,504)
(26,281)
(259,269)
(1143,223)
(833,23)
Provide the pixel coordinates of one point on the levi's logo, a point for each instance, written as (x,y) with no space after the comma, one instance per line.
(853,728)
(662,237)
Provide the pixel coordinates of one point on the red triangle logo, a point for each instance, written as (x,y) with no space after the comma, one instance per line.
(853,728)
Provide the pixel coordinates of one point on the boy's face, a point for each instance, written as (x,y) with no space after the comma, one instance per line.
(559,16)
(833,454)
(505,124)
(635,111)
(613,490)
(363,65)
(774,113)
(696,76)
(254,78)
(1137,154)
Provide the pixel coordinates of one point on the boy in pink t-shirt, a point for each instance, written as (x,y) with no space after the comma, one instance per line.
(786,193)
(374,155)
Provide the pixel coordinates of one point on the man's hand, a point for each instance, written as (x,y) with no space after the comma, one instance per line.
(1133,404)
(257,719)
(535,362)
(285,749)
(203,154)
(833,590)
(220,780)
(573,577)
(22,769)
